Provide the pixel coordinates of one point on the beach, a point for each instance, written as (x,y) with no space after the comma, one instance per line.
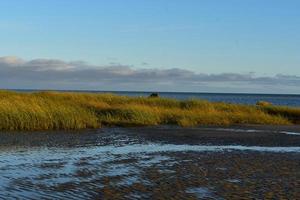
(141,99)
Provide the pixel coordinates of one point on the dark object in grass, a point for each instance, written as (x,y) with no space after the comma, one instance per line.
(263,103)
(154,95)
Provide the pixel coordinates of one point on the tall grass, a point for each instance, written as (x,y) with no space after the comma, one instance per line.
(67,110)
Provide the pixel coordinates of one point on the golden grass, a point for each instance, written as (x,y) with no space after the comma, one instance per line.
(263,103)
(67,110)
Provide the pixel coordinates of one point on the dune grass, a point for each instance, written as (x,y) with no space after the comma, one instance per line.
(67,110)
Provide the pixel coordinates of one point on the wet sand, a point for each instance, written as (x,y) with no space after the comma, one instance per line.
(249,162)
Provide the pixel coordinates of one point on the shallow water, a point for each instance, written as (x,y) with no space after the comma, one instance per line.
(112,163)
(253,131)
(290,133)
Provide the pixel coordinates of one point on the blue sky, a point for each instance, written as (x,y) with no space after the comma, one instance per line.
(202,36)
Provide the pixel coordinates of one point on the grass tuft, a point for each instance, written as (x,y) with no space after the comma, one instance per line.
(69,110)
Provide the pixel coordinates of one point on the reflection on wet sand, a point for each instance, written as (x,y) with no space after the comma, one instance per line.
(118,164)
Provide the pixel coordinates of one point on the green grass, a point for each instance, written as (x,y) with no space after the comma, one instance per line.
(66,110)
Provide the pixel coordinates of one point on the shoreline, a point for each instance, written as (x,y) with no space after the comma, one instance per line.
(248,135)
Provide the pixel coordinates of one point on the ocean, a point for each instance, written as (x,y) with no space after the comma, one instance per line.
(276,99)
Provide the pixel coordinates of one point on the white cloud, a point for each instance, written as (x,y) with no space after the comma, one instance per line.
(11,60)
(57,74)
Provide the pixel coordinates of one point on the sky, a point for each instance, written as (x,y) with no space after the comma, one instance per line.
(151,45)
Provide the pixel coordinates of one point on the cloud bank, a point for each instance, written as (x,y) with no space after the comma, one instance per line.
(17,73)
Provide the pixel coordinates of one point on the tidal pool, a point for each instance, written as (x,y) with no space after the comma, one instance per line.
(118,163)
